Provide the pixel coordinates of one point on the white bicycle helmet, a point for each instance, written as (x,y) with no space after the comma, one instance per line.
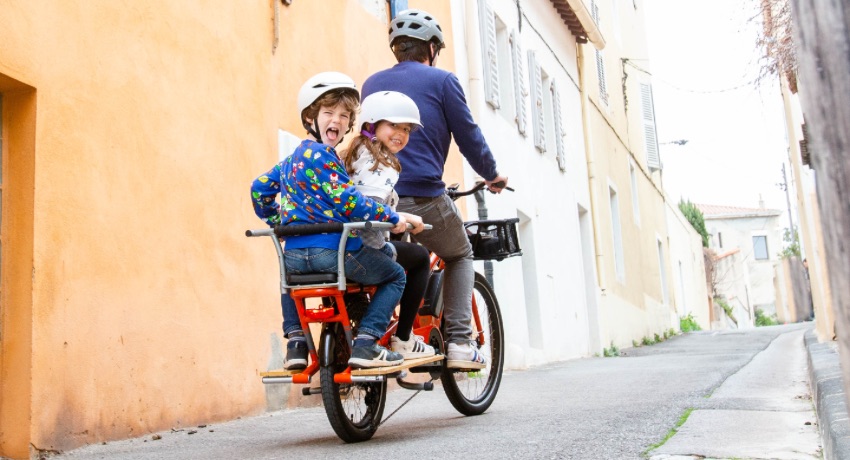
(321,83)
(417,24)
(391,106)
(318,85)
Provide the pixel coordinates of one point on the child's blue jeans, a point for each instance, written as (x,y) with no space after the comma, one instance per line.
(366,266)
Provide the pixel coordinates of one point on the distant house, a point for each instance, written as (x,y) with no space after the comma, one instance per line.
(747,269)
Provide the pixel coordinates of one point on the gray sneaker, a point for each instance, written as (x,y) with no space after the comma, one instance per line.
(296,355)
(373,356)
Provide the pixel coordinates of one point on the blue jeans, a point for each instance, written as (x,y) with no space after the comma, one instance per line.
(365,266)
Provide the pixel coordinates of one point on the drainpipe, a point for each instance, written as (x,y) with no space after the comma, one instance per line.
(482,215)
(591,171)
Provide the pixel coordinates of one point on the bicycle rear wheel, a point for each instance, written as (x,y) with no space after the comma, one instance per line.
(355,409)
(472,392)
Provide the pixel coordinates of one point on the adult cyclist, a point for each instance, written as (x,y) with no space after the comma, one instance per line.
(416,40)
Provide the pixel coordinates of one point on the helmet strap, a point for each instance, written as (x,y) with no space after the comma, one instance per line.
(370,132)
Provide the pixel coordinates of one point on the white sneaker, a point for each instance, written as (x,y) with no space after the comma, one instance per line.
(465,356)
(415,347)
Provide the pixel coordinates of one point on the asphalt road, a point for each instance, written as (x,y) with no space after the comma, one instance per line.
(745,394)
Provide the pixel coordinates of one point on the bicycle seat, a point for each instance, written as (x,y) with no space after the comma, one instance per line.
(310,278)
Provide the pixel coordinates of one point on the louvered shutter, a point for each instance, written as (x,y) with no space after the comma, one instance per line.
(600,73)
(560,149)
(490,67)
(536,74)
(519,82)
(652,158)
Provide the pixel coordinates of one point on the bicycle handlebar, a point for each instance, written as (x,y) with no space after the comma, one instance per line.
(453,193)
(328,227)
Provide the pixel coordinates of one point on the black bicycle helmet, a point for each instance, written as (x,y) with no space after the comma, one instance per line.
(417,24)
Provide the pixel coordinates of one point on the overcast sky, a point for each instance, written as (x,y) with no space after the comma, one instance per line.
(703,58)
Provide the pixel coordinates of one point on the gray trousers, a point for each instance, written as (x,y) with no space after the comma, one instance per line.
(449,241)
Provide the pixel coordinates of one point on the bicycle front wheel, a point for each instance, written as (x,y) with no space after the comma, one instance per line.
(355,409)
(472,392)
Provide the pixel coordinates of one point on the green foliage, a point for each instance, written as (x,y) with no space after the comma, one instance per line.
(792,243)
(765,320)
(635,343)
(695,217)
(646,341)
(726,308)
(658,338)
(613,351)
(671,332)
(688,323)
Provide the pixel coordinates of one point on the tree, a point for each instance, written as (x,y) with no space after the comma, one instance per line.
(775,42)
(695,217)
(792,243)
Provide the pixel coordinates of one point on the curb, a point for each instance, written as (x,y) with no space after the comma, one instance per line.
(828,397)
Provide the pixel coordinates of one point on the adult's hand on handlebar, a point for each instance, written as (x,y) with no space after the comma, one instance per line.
(497,184)
(414,221)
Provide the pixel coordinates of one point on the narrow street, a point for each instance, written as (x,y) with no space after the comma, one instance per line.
(745,394)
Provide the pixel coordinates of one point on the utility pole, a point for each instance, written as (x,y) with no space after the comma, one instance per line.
(784,186)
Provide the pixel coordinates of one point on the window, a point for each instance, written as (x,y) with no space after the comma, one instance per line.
(600,73)
(760,247)
(519,82)
(558,125)
(507,102)
(537,117)
(653,161)
(619,263)
(662,267)
(286,144)
(635,199)
(489,47)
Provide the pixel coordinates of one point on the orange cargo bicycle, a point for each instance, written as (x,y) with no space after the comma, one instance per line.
(354,399)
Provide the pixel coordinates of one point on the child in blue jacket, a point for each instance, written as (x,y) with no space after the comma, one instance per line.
(315,188)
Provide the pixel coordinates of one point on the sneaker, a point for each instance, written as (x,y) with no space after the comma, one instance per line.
(465,356)
(296,355)
(415,347)
(373,356)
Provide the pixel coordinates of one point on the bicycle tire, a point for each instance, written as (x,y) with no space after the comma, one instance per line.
(354,410)
(472,393)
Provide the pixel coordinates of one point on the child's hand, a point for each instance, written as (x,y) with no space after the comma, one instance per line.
(401,226)
(414,221)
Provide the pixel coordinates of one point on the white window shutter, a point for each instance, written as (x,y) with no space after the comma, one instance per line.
(519,82)
(594,12)
(653,160)
(490,67)
(536,74)
(560,149)
(600,73)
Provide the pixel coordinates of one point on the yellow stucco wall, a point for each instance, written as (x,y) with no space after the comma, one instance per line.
(149,308)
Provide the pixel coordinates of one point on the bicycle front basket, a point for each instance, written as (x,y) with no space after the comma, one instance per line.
(493,239)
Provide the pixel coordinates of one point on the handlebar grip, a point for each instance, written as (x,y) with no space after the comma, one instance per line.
(308,229)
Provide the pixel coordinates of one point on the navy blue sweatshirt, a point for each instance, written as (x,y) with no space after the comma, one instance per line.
(444,113)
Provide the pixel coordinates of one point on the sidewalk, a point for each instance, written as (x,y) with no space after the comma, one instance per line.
(829,397)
